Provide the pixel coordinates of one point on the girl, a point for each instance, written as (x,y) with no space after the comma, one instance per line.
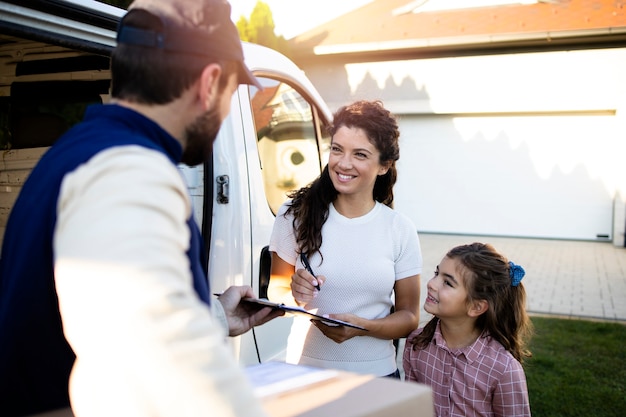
(366,255)
(471,351)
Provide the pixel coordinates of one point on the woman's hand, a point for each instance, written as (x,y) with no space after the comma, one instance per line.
(303,286)
(338,333)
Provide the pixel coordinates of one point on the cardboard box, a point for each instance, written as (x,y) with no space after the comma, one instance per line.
(347,395)
(309,392)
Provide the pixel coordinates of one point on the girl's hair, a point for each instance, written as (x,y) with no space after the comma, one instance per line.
(309,204)
(488,276)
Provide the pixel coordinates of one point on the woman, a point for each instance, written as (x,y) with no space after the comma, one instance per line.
(366,256)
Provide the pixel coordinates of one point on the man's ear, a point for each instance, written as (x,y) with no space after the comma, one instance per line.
(478,307)
(208,85)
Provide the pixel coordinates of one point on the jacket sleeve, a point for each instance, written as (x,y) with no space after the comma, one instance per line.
(145,344)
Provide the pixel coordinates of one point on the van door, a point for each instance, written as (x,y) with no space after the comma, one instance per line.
(272,142)
(55,62)
(289,152)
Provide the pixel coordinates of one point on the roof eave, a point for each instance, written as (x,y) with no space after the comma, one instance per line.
(478,44)
(462,40)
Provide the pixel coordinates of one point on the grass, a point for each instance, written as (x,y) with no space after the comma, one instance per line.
(578,368)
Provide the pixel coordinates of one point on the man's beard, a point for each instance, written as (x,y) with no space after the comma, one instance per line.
(200,136)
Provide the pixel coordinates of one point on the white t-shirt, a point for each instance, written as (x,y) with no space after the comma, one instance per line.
(362,259)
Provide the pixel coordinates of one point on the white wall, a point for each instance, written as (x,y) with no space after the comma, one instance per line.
(553,118)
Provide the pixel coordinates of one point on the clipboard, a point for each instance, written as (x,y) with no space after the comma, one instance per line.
(299,310)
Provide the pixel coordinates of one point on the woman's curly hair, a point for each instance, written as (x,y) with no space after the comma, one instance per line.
(309,205)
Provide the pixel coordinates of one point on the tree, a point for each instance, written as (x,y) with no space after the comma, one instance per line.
(260,28)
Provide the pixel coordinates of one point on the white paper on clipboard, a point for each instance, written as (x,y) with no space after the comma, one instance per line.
(272,378)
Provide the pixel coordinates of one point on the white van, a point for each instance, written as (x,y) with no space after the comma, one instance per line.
(54,62)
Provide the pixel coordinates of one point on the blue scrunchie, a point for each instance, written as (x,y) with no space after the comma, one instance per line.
(516,273)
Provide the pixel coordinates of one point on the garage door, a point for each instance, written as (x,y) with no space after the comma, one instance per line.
(529,175)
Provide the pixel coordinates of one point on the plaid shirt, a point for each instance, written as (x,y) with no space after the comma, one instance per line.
(482,379)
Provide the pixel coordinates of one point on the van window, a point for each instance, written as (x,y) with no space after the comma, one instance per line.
(292,147)
(38,113)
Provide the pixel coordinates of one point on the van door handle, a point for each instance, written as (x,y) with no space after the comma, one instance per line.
(265,270)
(222,189)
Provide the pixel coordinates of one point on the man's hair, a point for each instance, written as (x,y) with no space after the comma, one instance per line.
(156,76)
(164,45)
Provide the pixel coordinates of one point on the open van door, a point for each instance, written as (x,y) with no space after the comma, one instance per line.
(54,62)
(283,138)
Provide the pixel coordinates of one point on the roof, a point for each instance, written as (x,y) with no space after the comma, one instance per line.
(385,27)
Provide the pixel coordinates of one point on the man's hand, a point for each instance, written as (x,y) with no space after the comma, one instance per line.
(243,316)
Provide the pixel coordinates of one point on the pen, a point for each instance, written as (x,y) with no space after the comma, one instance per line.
(307,265)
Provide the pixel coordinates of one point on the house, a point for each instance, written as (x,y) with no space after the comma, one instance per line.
(513,117)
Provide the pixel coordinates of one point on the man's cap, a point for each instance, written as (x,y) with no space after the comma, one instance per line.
(196,27)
